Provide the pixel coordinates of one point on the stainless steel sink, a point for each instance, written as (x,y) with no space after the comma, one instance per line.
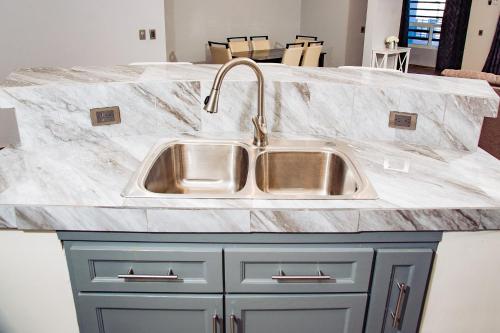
(320,173)
(284,169)
(197,168)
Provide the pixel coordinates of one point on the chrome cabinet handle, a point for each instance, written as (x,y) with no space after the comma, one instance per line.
(132,276)
(215,319)
(396,314)
(232,323)
(319,277)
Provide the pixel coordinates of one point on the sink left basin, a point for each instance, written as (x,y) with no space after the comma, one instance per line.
(197,168)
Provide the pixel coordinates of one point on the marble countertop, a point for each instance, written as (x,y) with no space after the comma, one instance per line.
(273,72)
(62,179)
(77,186)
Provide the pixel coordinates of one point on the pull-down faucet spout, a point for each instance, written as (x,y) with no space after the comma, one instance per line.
(212,101)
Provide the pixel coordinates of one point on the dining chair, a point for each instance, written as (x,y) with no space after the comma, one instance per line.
(293,54)
(306,39)
(260,43)
(238,44)
(312,54)
(220,52)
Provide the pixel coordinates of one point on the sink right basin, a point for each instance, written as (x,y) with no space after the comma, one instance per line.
(295,173)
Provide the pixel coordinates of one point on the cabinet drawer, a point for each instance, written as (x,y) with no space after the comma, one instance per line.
(292,270)
(134,267)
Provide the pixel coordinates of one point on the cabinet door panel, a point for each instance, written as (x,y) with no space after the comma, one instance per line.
(393,268)
(149,313)
(319,313)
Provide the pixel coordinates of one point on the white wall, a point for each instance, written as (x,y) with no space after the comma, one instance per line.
(191,23)
(382,20)
(355,38)
(464,292)
(67,33)
(338,23)
(485,17)
(35,291)
(328,20)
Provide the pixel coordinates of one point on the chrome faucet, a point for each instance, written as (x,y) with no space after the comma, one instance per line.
(212,101)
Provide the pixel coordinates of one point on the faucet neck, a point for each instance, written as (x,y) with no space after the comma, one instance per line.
(211,103)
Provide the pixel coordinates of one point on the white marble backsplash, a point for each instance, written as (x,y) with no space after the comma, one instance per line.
(52,105)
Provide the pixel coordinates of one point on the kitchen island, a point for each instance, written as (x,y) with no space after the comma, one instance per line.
(67,175)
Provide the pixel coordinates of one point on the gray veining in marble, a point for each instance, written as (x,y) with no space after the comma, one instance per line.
(7,218)
(304,221)
(490,218)
(81,218)
(418,220)
(198,220)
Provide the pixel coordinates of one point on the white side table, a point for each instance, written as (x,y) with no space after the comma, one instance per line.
(401,56)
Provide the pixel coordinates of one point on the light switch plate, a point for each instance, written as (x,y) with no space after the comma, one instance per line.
(9,129)
(105,116)
(142,34)
(152,34)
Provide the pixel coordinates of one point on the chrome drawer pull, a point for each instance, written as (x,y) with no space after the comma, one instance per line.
(319,277)
(396,315)
(232,323)
(132,276)
(215,319)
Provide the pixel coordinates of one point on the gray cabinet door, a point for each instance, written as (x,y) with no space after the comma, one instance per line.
(149,313)
(319,313)
(398,290)
(298,270)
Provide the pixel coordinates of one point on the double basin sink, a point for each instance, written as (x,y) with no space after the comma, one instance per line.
(286,169)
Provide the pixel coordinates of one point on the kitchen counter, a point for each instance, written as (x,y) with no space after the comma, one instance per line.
(70,177)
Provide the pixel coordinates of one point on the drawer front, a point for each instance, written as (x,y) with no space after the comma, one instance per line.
(128,267)
(318,313)
(149,313)
(308,270)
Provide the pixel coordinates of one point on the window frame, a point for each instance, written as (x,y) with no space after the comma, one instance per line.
(430,26)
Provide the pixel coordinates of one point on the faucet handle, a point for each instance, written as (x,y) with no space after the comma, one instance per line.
(260,137)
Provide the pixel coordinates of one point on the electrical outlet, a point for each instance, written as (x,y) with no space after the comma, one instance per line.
(152,34)
(142,34)
(105,116)
(403,120)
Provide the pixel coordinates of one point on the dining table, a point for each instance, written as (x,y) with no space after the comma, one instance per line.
(271,56)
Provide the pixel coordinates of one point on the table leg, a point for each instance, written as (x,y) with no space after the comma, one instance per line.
(407,60)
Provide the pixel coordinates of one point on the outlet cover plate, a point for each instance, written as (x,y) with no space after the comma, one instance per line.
(403,120)
(105,116)
(152,34)
(142,34)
